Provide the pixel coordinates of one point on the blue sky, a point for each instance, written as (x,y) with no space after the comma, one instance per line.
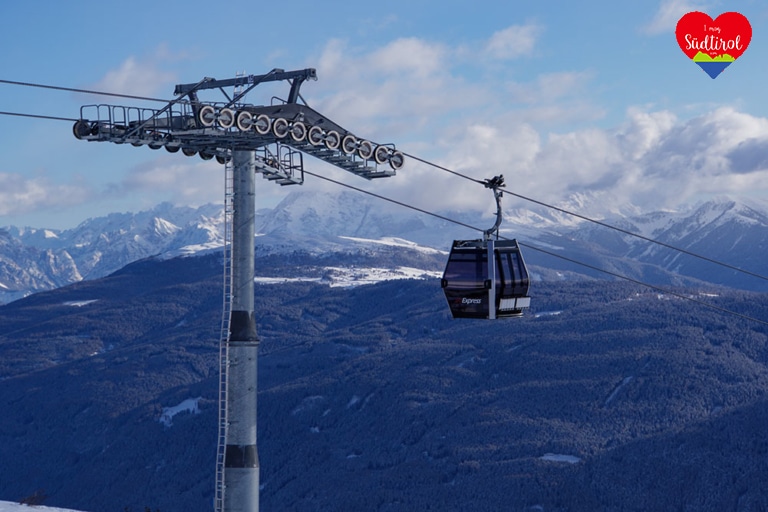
(591,101)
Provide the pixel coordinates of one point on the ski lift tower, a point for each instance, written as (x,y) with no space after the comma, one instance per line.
(247,139)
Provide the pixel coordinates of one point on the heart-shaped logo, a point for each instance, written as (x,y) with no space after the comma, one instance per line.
(713,44)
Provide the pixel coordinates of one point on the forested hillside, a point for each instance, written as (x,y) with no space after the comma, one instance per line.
(605,396)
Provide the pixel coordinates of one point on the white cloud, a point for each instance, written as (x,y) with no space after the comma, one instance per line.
(191,181)
(411,57)
(413,88)
(643,131)
(145,76)
(393,90)
(513,42)
(19,194)
(669,12)
(653,160)
(177,179)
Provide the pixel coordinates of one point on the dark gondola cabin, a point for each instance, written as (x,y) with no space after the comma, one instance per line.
(478,288)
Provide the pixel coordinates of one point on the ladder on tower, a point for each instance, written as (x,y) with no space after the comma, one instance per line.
(224,336)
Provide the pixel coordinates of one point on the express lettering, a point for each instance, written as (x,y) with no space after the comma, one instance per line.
(471,301)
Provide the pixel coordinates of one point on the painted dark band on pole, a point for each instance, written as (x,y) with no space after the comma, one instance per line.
(242,456)
(242,326)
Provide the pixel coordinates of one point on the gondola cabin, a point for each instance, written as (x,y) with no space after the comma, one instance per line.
(479,286)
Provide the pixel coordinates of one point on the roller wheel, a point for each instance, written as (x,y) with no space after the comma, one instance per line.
(172,149)
(298,131)
(396,160)
(81,128)
(349,144)
(381,155)
(205,156)
(188,151)
(365,149)
(207,115)
(280,127)
(244,120)
(222,159)
(226,118)
(332,139)
(154,145)
(315,136)
(262,124)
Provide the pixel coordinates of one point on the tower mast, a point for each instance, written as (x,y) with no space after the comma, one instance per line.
(241,459)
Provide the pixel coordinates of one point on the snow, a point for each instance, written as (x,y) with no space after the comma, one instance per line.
(348,277)
(396,242)
(163,227)
(547,313)
(192,250)
(189,405)
(79,303)
(554,457)
(281,280)
(7,506)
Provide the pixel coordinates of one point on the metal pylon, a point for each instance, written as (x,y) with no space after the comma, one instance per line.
(224,336)
(240,135)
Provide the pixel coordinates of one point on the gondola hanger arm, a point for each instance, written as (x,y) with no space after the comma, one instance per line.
(494,184)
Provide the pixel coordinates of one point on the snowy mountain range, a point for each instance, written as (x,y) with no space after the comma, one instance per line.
(723,229)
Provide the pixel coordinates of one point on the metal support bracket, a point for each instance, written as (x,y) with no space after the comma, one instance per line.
(495,184)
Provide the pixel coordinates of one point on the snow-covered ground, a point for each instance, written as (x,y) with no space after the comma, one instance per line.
(7,506)
(556,457)
(79,303)
(355,276)
(189,405)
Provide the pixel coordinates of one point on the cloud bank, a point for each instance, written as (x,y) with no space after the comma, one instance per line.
(417,93)
(20,194)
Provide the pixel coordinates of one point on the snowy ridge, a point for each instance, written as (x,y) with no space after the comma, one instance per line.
(319,224)
(396,242)
(692,218)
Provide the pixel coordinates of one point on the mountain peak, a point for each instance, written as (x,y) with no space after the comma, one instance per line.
(162,227)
